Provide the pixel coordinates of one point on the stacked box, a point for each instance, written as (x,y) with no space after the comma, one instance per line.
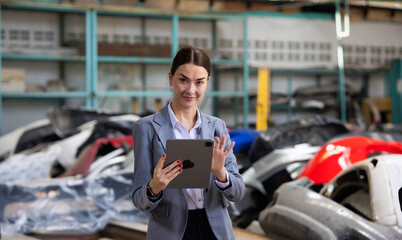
(384,106)
(129,3)
(13,79)
(81,2)
(134,50)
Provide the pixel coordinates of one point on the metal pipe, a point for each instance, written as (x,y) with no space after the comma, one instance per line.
(341,68)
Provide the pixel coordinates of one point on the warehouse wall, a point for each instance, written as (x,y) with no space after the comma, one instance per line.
(304,44)
(311,44)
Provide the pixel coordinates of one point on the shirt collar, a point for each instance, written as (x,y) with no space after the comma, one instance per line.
(174,121)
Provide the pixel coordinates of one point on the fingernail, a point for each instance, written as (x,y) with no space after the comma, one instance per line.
(178,161)
(179,170)
(181,165)
(163,155)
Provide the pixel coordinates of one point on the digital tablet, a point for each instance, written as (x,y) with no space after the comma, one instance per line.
(196,157)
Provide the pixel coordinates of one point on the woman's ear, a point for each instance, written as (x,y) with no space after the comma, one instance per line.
(170,78)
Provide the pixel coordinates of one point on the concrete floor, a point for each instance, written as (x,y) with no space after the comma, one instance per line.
(137,231)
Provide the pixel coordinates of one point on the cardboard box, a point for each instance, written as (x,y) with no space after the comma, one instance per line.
(193,6)
(355,14)
(397,17)
(81,2)
(384,106)
(13,79)
(128,3)
(158,4)
(229,6)
(379,15)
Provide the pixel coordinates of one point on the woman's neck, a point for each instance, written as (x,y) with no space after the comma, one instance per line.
(187,117)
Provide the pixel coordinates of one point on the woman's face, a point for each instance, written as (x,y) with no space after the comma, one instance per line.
(189,84)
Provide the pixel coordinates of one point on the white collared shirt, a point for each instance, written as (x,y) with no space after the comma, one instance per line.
(195,196)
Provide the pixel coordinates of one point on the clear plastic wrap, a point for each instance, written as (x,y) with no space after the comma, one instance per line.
(29,166)
(67,206)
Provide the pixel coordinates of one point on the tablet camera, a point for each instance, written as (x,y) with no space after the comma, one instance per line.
(187,164)
(208,144)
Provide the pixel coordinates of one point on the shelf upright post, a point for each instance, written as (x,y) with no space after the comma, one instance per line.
(245,72)
(143,66)
(237,108)
(398,106)
(88,57)
(94,61)
(1,80)
(61,65)
(395,80)
(365,85)
(214,72)
(341,68)
(175,38)
(175,35)
(289,94)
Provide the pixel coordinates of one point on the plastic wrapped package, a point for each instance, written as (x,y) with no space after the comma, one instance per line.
(29,166)
(67,206)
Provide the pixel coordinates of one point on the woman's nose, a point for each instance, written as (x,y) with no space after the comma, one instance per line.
(191,87)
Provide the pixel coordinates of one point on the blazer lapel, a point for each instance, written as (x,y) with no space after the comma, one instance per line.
(207,128)
(163,128)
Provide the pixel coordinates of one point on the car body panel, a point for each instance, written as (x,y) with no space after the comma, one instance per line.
(340,154)
(316,131)
(385,182)
(265,176)
(297,212)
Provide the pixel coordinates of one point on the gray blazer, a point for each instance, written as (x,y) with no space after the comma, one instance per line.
(168,215)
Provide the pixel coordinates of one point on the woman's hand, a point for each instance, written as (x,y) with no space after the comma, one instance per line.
(219,157)
(163,175)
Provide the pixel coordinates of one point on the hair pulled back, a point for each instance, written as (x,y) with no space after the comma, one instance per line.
(191,55)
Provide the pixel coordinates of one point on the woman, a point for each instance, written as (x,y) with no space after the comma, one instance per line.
(185,213)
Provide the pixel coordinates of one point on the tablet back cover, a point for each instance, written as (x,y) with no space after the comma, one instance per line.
(196,157)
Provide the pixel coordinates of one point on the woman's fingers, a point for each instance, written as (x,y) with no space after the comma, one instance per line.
(174,172)
(161,162)
(171,166)
(163,175)
(222,146)
(227,151)
(217,143)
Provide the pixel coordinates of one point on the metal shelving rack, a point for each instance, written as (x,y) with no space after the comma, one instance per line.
(92,59)
(389,76)
(87,94)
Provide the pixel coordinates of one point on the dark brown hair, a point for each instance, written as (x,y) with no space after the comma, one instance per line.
(191,55)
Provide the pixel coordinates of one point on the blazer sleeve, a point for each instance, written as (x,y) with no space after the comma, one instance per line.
(143,166)
(236,189)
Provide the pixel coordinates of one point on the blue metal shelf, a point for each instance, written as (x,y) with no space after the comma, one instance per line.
(45,7)
(224,94)
(147,60)
(227,62)
(287,107)
(45,95)
(322,72)
(42,57)
(123,93)
(134,94)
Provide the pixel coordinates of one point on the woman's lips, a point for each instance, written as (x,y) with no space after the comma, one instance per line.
(189,98)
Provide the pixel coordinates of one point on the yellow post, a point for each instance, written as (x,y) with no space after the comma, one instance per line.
(158,104)
(263,97)
(134,106)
